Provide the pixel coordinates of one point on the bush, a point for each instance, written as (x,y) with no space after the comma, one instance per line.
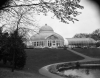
(3,45)
(98,44)
(20,58)
(53,69)
(14,50)
(17,49)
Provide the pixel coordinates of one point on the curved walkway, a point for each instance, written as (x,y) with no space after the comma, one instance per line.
(44,71)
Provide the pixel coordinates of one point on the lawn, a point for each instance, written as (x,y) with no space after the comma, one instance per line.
(37,58)
(92,52)
(6,73)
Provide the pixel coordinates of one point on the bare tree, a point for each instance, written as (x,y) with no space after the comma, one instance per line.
(18,18)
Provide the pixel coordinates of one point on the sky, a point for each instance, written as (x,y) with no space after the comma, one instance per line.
(89,21)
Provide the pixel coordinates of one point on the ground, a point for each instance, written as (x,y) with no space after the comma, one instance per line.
(93,52)
(37,58)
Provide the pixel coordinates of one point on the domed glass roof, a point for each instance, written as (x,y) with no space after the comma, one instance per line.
(43,36)
(46,28)
(45,32)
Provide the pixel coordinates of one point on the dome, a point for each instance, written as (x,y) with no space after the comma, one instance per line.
(46,28)
(43,36)
(45,32)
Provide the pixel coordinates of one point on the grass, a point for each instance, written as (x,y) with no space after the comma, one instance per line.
(6,73)
(37,58)
(92,52)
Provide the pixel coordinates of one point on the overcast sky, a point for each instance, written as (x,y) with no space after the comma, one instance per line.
(89,20)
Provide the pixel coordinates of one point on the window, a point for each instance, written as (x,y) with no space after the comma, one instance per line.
(37,43)
(58,43)
(49,43)
(34,43)
(42,43)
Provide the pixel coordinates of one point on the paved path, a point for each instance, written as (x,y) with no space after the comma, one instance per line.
(44,71)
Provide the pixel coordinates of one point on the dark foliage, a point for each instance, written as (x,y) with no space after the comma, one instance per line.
(16,50)
(3,39)
(3,3)
(12,49)
(98,44)
(95,35)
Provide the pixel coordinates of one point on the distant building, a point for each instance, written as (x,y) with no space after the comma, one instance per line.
(80,42)
(50,39)
(47,38)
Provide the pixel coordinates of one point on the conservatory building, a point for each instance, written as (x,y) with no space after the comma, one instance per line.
(47,38)
(80,42)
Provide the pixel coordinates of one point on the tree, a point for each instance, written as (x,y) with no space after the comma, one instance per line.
(98,44)
(17,55)
(3,42)
(96,34)
(64,10)
(82,35)
(17,13)
(18,18)
(12,49)
(2,3)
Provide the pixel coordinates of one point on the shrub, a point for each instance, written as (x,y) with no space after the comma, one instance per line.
(15,48)
(98,44)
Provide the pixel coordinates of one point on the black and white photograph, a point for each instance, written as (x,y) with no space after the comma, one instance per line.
(49,39)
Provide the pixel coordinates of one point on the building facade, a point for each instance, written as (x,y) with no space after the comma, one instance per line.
(47,38)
